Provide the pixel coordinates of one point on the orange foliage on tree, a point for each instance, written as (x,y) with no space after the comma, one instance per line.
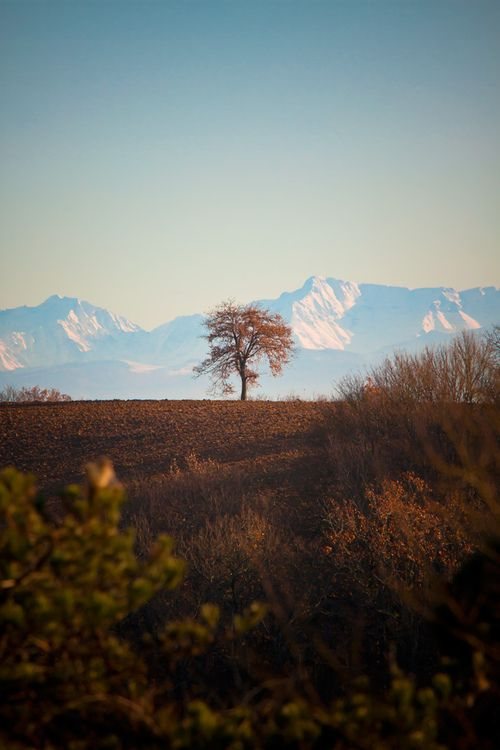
(239,337)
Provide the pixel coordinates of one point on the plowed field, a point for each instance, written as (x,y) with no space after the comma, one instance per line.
(54,441)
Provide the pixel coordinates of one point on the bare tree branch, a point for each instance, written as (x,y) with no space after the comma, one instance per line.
(239,337)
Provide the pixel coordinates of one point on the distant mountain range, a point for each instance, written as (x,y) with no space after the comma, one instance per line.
(338,326)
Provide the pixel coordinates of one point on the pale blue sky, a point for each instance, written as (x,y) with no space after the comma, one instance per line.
(157,157)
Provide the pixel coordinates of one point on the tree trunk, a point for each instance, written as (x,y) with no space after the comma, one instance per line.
(243,388)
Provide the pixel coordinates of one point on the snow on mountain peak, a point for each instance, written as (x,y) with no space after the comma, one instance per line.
(314,316)
(84,324)
(81,328)
(450,319)
(59,330)
(452,296)
(81,314)
(326,314)
(428,322)
(8,360)
(470,323)
(329,313)
(125,325)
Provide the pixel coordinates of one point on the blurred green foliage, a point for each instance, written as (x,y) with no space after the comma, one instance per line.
(68,680)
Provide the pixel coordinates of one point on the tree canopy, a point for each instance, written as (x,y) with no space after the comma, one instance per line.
(239,337)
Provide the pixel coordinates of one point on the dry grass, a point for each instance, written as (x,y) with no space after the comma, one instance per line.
(339,516)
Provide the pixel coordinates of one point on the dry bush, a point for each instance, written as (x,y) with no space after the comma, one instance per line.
(234,560)
(384,560)
(33,394)
(237,548)
(183,499)
(464,371)
(408,482)
(414,412)
(454,447)
(179,689)
(389,532)
(403,536)
(229,557)
(352,584)
(372,438)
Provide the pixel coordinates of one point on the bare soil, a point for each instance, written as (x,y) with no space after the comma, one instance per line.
(54,441)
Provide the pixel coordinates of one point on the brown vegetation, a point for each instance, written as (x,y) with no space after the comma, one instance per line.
(19,395)
(239,337)
(348,519)
(340,516)
(72,588)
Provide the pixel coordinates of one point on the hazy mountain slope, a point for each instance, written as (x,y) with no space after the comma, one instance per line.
(108,380)
(176,343)
(326,313)
(312,373)
(314,312)
(61,329)
(338,326)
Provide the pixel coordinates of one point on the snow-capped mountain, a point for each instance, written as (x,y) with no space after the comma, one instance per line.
(61,329)
(338,326)
(315,310)
(363,318)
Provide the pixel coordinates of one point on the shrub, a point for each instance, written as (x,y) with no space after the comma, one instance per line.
(64,673)
(464,371)
(68,680)
(34,393)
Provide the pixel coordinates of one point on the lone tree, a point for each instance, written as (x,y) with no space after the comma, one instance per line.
(240,336)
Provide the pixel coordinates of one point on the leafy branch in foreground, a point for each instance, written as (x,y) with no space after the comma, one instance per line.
(68,680)
(63,588)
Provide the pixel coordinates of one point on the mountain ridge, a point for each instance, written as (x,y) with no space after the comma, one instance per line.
(335,322)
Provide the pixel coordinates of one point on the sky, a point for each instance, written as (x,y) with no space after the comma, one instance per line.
(159,157)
